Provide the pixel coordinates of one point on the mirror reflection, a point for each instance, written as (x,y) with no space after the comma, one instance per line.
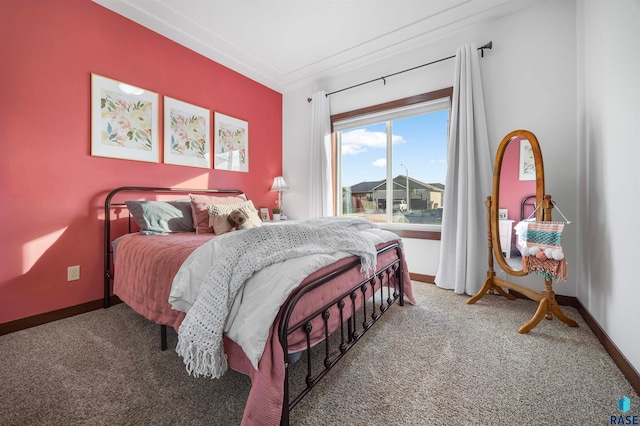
(517,196)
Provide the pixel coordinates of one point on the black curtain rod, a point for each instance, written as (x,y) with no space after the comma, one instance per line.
(481,49)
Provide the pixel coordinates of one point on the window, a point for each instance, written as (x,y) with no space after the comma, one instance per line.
(392,161)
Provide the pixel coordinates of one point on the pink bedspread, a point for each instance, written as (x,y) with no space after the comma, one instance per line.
(144,270)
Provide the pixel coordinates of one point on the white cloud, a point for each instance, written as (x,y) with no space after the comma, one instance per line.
(358,140)
(382,162)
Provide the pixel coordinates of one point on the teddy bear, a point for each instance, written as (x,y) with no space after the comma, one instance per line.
(238,220)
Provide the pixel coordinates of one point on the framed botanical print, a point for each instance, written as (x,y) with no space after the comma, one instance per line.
(187,139)
(231,144)
(527,161)
(124,121)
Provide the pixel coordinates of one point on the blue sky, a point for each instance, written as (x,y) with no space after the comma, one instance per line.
(420,143)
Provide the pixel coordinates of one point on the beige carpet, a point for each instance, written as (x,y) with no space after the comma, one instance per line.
(441,362)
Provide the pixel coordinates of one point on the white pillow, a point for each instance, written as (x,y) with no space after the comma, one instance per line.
(219,215)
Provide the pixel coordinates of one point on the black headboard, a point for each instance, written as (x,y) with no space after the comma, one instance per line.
(144,191)
(530,201)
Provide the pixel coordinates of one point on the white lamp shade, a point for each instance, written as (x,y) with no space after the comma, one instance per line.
(279,184)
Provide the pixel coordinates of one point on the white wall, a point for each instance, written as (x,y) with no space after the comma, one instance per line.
(608,176)
(568,71)
(529,80)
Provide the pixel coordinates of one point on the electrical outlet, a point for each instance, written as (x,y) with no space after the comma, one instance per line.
(73,273)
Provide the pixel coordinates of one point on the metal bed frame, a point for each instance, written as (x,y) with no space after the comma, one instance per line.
(526,202)
(369,293)
(349,319)
(109,205)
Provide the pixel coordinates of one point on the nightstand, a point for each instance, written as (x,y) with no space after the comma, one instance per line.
(506,232)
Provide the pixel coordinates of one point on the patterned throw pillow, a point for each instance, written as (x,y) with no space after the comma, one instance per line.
(199,204)
(219,215)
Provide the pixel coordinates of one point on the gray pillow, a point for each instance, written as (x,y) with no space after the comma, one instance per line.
(162,216)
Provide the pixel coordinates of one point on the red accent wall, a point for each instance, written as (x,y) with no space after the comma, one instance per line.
(52,190)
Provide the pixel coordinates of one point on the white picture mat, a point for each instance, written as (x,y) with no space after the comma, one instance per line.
(196,130)
(527,169)
(118,123)
(231,143)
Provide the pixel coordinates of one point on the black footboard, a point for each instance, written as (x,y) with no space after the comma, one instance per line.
(357,309)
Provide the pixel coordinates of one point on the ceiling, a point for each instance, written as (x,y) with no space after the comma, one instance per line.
(285,44)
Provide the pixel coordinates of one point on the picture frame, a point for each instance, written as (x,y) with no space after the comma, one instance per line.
(527,167)
(187,136)
(503,214)
(264,214)
(230,143)
(124,121)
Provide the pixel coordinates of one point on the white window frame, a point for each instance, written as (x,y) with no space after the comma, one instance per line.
(416,105)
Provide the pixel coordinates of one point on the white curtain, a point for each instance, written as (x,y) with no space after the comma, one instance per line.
(463,249)
(320,191)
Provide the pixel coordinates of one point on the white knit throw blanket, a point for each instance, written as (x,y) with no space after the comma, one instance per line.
(200,335)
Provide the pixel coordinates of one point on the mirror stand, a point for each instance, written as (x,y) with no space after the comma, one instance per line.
(548,305)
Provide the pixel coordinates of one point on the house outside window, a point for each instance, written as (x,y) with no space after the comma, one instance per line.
(391,161)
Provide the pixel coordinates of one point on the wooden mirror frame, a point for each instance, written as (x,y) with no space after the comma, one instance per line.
(495,194)
(548,305)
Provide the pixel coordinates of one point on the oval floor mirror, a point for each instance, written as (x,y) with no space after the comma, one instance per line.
(518,188)
(517,194)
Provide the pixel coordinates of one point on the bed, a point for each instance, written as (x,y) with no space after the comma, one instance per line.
(327,305)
